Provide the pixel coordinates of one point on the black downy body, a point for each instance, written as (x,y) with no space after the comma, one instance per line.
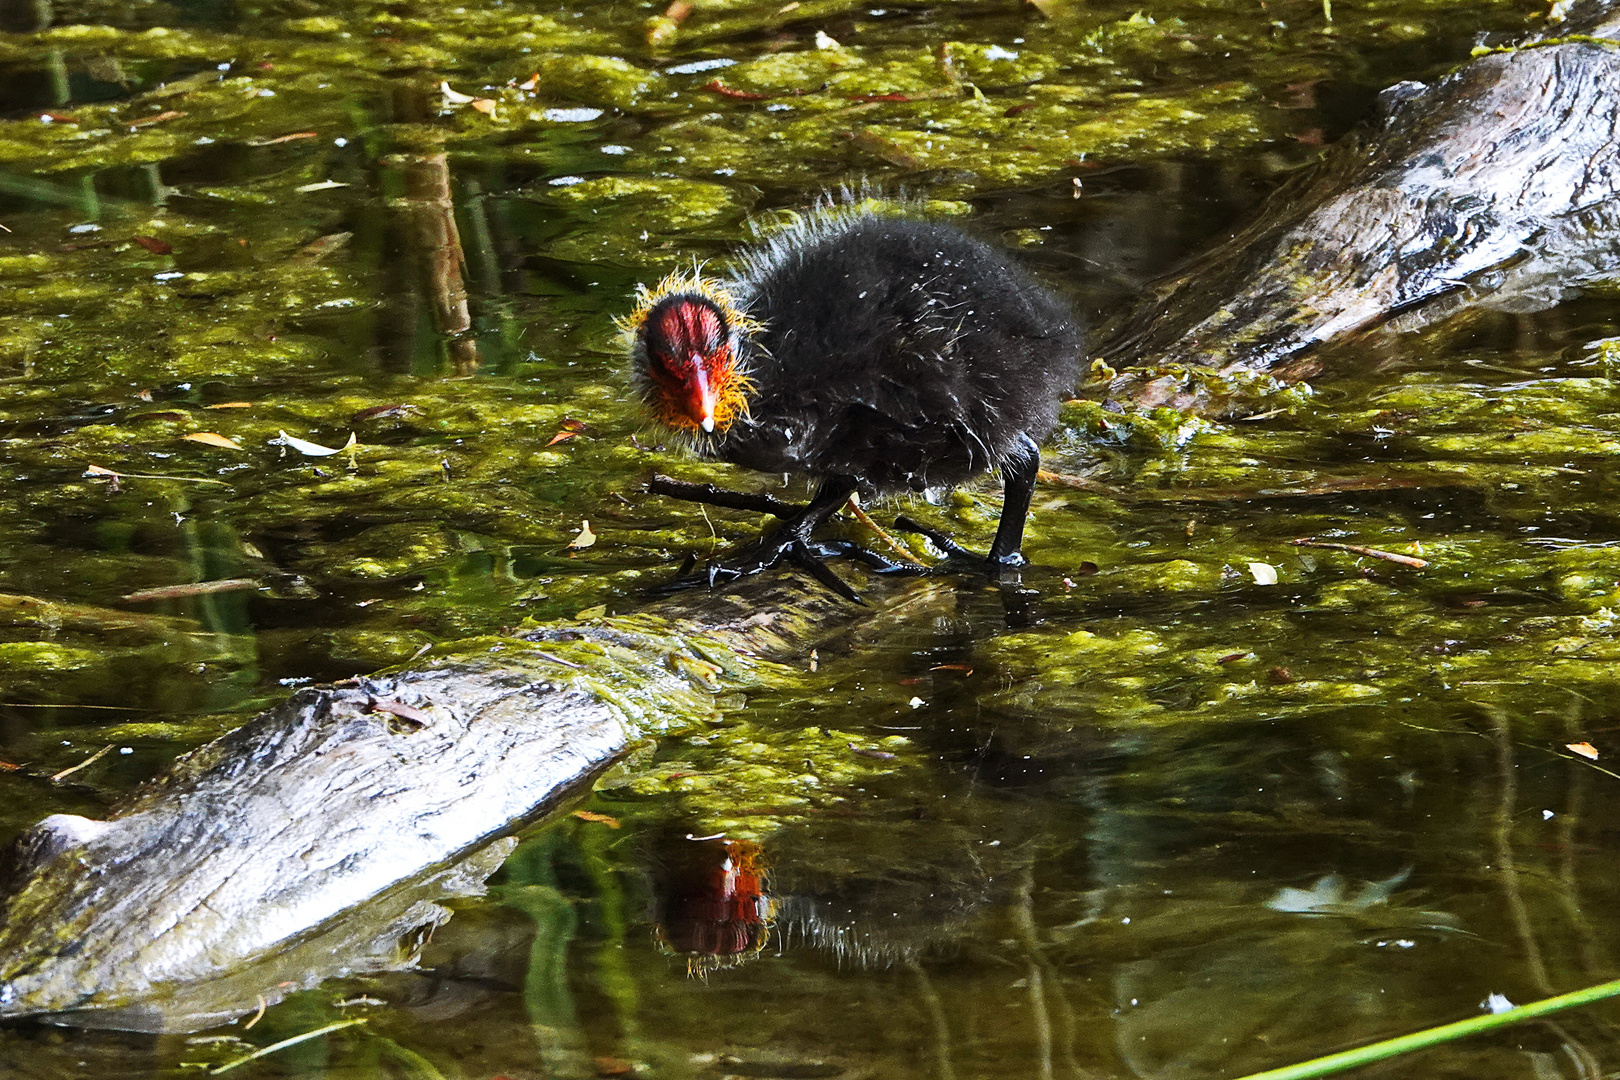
(903,355)
(894,356)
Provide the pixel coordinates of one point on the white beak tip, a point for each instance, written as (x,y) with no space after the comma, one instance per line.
(708,424)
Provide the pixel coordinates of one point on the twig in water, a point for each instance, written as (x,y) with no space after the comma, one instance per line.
(112,474)
(899,549)
(283,1044)
(1371,553)
(1436,1036)
(1079,483)
(196,588)
(57,778)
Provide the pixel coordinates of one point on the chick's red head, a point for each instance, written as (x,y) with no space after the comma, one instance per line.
(691,367)
(686,337)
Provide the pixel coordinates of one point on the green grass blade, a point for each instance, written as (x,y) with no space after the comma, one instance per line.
(1406,1044)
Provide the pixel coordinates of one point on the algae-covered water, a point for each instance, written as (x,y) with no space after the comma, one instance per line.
(1213,803)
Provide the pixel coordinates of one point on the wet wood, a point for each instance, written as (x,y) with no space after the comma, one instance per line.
(1498,185)
(311,841)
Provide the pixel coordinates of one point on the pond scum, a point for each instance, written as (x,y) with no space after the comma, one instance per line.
(215,227)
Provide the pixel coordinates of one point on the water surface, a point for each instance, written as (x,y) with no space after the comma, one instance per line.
(1169,822)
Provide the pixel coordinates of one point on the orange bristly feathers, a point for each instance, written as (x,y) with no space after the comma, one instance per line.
(727,376)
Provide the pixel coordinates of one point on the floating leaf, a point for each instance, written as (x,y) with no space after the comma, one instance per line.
(562,436)
(1585,749)
(601,819)
(1263,573)
(452,97)
(209,438)
(585,538)
(309,449)
(324,185)
(484,105)
(154,245)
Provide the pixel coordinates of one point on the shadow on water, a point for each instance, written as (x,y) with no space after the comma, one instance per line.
(1177,821)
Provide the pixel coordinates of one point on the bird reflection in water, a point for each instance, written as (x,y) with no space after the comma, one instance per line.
(711,904)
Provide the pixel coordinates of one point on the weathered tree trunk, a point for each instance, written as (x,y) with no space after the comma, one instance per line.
(1498,185)
(308,842)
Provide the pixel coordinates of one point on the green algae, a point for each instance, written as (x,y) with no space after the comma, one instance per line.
(451,518)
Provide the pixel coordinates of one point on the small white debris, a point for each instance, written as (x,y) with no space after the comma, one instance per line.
(572,116)
(823,41)
(1496,1004)
(698,65)
(1263,573)
(309,449)
(916,703)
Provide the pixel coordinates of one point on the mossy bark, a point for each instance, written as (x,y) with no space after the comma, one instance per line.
(1499,185)
(308,842)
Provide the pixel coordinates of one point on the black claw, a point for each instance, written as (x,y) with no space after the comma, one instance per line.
(804,558)
(790,540)
(875,561)
(1001,569)
(939,539)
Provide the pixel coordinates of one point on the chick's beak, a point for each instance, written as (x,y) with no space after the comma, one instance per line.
(705,396)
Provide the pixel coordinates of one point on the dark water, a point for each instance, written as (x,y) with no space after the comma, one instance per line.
(1172,822)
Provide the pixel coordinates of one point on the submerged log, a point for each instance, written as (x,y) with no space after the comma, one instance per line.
(310,841)
(1499,185)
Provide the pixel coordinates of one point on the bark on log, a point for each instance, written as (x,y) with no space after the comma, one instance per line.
(1498,185)
(306,843)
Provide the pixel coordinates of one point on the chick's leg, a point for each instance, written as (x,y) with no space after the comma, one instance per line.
(1018,487)
(791,540)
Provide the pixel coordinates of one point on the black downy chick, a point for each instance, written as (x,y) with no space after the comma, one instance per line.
(878,354)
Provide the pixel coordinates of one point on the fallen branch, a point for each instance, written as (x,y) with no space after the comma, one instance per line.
(1371,553)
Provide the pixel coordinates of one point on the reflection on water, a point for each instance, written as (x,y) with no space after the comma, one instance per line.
(1176,823)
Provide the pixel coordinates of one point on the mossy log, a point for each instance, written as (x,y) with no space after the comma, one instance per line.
(1498,185)
(311,841)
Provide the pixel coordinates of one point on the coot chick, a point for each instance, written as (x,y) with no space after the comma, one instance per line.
(877,354)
